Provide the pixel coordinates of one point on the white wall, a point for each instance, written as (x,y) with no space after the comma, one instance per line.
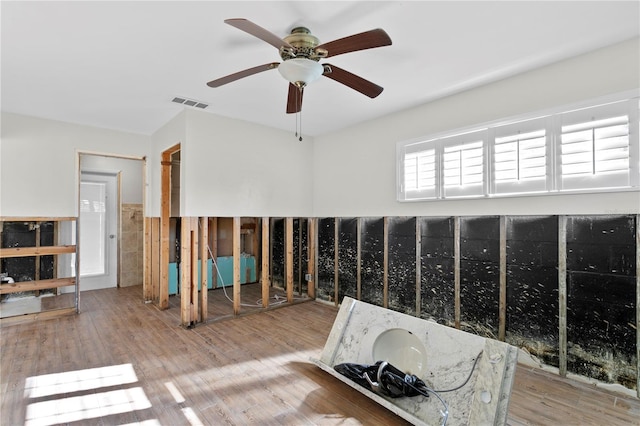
(39,162)
(235,168)
(355,169)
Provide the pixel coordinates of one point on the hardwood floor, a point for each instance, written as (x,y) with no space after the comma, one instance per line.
(121,361)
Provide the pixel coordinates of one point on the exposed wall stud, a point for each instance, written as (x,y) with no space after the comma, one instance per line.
(336,260)
(502,307)
(193,279)
(203,240)
(638,305)
(165,213)
(385,263)
(418,267)
(236,265)
(264,270)
(562,295)
(289,258)
(358,259)
(213,246)
(456,270)
(312,252)
(185,272)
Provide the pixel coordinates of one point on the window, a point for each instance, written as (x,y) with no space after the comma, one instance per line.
(595,149)
(590,149)
(463,162)
(520,158)
(419,173)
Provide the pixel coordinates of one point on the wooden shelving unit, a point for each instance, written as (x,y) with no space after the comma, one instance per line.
(37,285)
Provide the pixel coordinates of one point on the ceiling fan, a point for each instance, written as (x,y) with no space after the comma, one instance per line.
(301,52)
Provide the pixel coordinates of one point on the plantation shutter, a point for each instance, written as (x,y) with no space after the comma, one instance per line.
(463,165)
(520,157)
(420,172)
(595,148)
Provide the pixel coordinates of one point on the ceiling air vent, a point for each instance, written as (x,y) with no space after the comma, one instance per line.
(189,102)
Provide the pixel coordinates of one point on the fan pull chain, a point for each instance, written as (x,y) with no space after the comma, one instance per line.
(298,116)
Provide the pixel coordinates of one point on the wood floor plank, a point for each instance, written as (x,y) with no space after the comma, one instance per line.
(249,370)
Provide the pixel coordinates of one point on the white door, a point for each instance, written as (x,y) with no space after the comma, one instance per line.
(98,228)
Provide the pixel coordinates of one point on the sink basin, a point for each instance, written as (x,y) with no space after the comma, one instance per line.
(402,349)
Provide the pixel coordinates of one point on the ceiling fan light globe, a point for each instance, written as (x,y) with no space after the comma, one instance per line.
(300,70)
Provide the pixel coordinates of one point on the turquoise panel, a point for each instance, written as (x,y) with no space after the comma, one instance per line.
(173,276)
(247,270)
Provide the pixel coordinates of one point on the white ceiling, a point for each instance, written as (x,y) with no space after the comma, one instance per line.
(119,64)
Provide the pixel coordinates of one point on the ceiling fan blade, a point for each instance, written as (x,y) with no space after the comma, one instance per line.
(362,41)
(294,99)
(257,31)
(353,81)
(241,74)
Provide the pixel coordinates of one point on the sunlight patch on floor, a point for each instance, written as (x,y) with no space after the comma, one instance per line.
(56,407)
(91,406)
(79,380)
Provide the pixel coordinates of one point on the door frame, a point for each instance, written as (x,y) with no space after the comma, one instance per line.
(165,214)
(79,154)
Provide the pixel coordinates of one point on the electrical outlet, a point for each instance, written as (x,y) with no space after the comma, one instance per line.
(308,277)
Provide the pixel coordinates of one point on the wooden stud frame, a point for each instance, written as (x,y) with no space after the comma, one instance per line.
(336,260)
(39,284)
(418,267)
(385,263)
(165,214)
(359,259)
(203,241)
(236,265)
(264,270)
(456,270)
(312,236)
(562,295)
(502,306)
(638,305)
(288,229)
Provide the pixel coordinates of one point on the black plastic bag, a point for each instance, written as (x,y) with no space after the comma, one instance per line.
(383,378)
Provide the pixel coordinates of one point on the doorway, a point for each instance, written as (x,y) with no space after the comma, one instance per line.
(98,228)
(110,221)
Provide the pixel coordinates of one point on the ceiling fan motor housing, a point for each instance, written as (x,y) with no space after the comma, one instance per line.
(304,45)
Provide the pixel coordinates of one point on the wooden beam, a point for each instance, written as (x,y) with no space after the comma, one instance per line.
(204,268)
(299,260)
(185,272)
(236,265)
(193,282)
(312,253)
(36,251)
(37,273)
(264,269)
(213,232)
(146,274)
(155,260)
(502,305)
(36,285)
(359,258)
(37,219)
(385,262)
(638,305)
(20,319)
(165,215)
(456,270)
(289,258)
(336,260)
(418,267)
(562,295)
